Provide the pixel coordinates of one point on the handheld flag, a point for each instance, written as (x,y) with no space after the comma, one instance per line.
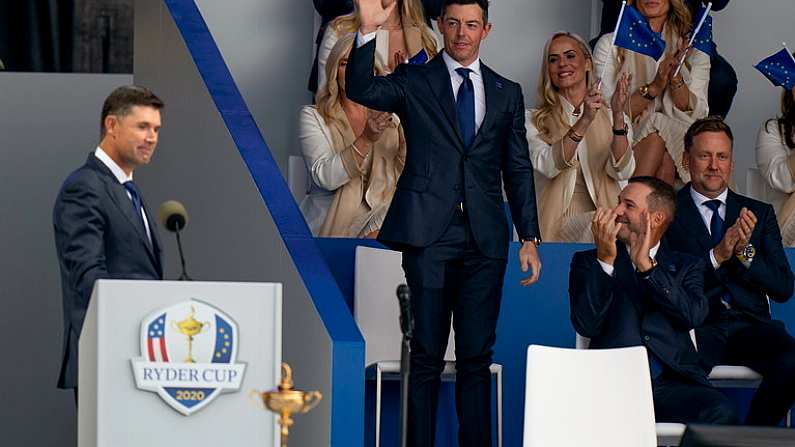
(779,68)
(420,58)
(702,38)
(634,33)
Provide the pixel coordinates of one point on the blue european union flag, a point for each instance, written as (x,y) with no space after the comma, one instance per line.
(635,34)
(420,58)
(779,68)
(703,40)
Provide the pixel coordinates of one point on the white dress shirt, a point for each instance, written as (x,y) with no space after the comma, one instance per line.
(706,214)
(610,268)
(455,79)
(122,177)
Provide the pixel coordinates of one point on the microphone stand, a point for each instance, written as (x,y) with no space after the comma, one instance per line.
(407,328)
(184,276)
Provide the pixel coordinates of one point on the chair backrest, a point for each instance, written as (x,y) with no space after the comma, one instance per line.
(582,397)
(377,274)
(297,177)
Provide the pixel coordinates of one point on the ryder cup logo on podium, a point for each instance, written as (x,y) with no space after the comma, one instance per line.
(189,352)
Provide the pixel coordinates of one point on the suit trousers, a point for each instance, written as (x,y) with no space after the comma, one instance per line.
(450,278)
(677,399)
(762,345)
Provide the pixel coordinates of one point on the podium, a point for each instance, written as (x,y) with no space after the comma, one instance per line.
(166,363)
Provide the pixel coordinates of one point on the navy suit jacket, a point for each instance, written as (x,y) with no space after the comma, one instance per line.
(656,310)
(97,236)
(770,274)
(439,169)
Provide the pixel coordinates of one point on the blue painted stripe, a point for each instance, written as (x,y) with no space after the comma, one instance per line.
(347,375)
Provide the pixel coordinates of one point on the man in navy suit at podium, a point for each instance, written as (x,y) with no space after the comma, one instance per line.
(465,135)
(103,228)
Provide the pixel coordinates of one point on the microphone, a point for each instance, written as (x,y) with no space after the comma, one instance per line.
(406,321)
(407,327)
(173,216)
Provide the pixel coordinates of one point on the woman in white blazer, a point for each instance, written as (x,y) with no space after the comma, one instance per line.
(578,145)
(354,156)
(775,158)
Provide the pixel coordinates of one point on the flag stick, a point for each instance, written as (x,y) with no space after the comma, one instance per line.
(693,38)
(613,43)
(788,51)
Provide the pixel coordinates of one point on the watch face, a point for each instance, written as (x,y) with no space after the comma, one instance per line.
(749,252)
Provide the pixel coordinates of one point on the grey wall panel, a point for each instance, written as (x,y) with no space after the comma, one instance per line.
(49,124)
(746,32)
(268,46)
(520,29)
(231,235)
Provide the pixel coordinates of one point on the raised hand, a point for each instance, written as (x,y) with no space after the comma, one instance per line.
(664,72)
(640,244)
(593,102)
(726,247)
(619,103)
(605,230)
(377,122)
(678,57)
(400,58)
(373,14)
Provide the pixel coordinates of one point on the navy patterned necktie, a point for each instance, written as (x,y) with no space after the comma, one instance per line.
(465,106)
(716,230)
(716,224)
(135,197)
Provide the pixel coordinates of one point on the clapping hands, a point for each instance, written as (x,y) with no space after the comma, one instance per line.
(605,230)
(737,237)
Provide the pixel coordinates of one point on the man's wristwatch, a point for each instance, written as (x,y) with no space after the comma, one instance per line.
(535,240)
(746,254)
(620,132)
(644,91)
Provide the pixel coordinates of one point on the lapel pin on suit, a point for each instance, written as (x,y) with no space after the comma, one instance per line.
(498,84)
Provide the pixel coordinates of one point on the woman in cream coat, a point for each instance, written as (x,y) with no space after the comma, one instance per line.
(403,36)
(662,106)
(354,156)
(775,158)
(574,142)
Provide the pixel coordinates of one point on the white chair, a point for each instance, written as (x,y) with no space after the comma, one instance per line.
(377,274)
(297,178)
(588,398)
(668,433)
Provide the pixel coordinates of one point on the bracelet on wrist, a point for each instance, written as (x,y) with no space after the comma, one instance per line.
(645,93)
(574,136)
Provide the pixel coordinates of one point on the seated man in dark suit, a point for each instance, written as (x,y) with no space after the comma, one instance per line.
(739,239)
(630,291)
(103,229)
